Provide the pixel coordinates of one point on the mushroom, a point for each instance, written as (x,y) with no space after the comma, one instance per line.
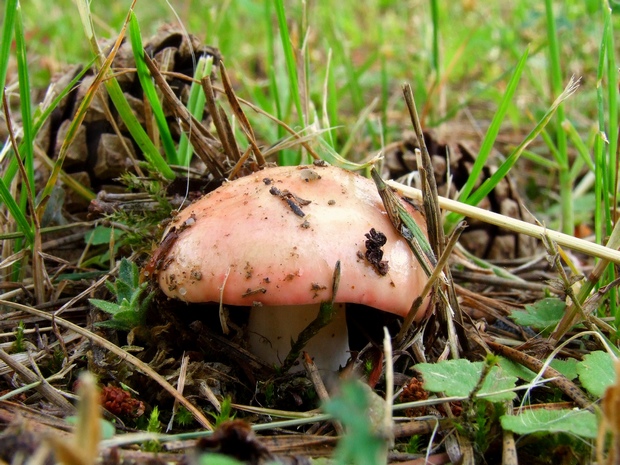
(271,240)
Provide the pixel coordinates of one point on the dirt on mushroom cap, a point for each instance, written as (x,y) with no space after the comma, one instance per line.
(274,237)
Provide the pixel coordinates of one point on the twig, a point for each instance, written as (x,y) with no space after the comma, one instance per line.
(555,377)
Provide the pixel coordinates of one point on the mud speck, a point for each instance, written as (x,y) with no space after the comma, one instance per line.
(374,254)
(249,270)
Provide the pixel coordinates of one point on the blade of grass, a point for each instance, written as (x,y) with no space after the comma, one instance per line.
(274,89)
(612,105)
(489,184)
(116,94)
(555,84)
(26,163)
(195,105)
(435,23)
(610,182)
(149,90)
(27,145)
(289,56)
(10,10)
(582,150)
(540,160)
(488,141)
(38,271)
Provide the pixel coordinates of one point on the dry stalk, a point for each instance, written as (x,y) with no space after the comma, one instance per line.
(238,111)
(521,227)
(44,388)
(220,121)
(202,140)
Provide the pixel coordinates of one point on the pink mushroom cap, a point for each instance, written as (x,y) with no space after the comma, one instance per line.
(274,237)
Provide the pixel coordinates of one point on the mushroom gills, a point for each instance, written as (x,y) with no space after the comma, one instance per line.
(272,328)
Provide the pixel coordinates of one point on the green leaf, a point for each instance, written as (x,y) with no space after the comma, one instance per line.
(596,372)
(514,369)
(216,459)
(460,377)
(123,291)
(195,105)
(123,321)
(103,235)
(567,367)
(360,411)
(106,306)
(579,422)
(544,315)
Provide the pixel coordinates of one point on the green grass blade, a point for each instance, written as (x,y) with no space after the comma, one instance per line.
(118,99)
(291,62)
(555,73)
(489,140)
(612,105)
(540,160)
(27,145)
(584,154)
(610,190)
(435,22)
(600,163)
(16,212)
(10,11)
(489,184)
(195,105)
(149,90)
(287,158)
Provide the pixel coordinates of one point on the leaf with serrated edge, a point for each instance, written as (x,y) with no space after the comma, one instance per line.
(596,372)
(106,306)
(544,314)
(579,422)
(459,378)
(567,367)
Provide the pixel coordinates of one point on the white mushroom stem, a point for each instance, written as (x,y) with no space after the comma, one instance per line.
(272,328)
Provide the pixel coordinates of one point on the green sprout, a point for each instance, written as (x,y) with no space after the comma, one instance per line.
(130,311)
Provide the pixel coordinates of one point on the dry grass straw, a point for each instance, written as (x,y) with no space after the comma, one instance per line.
(522,227)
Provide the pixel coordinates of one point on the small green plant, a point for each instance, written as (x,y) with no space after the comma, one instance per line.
(153,426)
(20,338)
(130,309)
(415,444)
(225,412)
(363,444)
(183,417)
